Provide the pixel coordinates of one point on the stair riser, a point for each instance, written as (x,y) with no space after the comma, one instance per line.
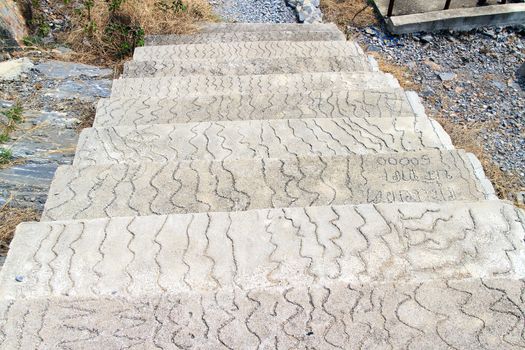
(208,186)
(265,139)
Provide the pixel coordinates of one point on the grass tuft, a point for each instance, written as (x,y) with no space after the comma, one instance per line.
(6,156)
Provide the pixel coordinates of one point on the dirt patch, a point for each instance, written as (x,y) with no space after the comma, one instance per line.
(10,218)
(401,73)
(358,13)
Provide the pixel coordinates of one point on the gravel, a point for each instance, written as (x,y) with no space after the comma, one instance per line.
(254,11)
(469,77)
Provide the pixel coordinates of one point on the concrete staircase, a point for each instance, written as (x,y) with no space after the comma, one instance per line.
(265,186)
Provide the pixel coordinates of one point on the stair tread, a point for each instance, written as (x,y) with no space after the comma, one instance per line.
(257,138)
(258,27)
(260,49)
(203,85)
(228,37)
(205,186)
(463,314)
(140,110)
(133,256)
(255,66)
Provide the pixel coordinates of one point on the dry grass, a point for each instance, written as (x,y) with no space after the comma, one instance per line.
(10,218)
(358,13)
(468,138)
(97,45)
(401,73)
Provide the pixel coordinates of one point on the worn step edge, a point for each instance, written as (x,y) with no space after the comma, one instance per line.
(260,49)
(257,27)
(133,256)
(204,85)
(228,37)
(292,65)
(237,185)
(258,138)
(462,314)
(389,103)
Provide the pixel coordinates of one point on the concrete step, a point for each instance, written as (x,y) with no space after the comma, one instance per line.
(247,50)
(133,256)
(379,103)
(265,27)
(229,37)
(256,66)
(203,85)
(257,138)
(208,186)
(438,314)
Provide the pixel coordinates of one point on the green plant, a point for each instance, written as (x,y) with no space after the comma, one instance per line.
(123,36)
(6,155)
(11,117)
(31,40)
(173,6)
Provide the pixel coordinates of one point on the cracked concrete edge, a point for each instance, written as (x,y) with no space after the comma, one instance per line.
(442,134)
(392,81)
(373,63)
(415,102)
(486,185)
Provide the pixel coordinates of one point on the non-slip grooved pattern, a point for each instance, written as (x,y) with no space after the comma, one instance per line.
(206,186)
(148,255)
(201,85)
(255,66)
(464,314)
(228,37)
(385,103)
(260,49)
(256,138)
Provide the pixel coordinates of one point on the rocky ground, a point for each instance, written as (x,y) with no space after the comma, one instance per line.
(468,78)
(254,11)
(57,97)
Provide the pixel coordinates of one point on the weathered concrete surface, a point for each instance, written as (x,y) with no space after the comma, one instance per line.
(133,256)
(199,85)
(261,49)
(205,186)
(457,19)
(382,103)
(228,37)
(255,66)
(257,138)
(460,314)
(265,27)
